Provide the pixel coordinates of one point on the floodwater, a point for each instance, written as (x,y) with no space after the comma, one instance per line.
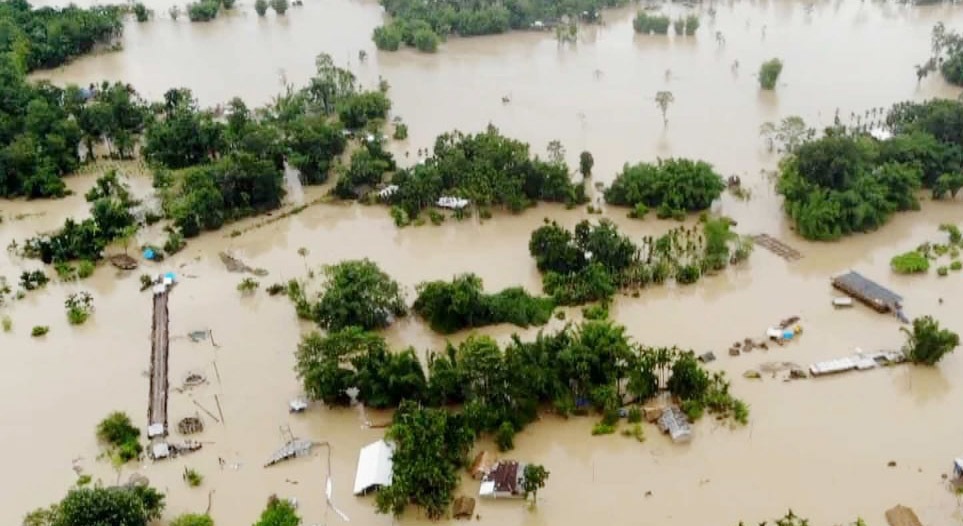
(820,447)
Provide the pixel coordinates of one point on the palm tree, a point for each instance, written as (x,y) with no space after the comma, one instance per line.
(663,99)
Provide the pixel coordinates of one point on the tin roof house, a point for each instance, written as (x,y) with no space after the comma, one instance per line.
(504,480)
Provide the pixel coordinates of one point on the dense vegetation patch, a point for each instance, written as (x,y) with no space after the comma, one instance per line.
(222,171)
(593,262)
(947,46)
(846,181)
(129,505)
(431,446)
(278,513)
(43,127)
(487,168)
(47,37)
(355,293)
(111,218)
(927,342)
(420,24)
(911,262)
(769,73)
(645,23)
(120,436)
(462,303)
(672,186)
(498,391)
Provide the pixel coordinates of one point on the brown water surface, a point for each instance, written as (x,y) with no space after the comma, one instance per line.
(818,446)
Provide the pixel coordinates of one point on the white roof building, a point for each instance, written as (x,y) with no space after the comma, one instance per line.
(374,467)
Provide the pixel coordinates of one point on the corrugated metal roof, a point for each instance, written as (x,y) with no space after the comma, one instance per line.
(868,287)
(374,466)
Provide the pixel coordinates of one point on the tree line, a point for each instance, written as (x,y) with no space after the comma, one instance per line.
(478,387)
(423,24)
(43,127)
(48,37)
(847,181)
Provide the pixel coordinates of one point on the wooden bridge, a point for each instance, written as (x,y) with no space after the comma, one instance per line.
(160,346)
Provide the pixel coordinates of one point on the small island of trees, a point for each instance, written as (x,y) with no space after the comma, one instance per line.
(462,303)
(487,168)
(48,37)
(671,186)
(593,262)
(420,25)
(847,181)
(478,387)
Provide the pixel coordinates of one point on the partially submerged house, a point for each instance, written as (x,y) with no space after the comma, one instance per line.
(868,291)
(374,467)
(504,480)
(674,422)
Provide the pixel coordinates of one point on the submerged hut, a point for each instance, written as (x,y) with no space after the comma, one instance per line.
(674,422)
(900,515)
(463,508)
(504,480)
(868,291)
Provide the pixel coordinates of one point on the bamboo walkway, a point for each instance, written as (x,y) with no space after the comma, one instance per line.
(777,247)
(160,346)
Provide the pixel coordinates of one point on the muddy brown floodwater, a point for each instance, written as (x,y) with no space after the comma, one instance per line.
(818,446)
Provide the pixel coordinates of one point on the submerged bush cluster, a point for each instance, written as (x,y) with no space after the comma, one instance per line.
(462,304)
(593,262)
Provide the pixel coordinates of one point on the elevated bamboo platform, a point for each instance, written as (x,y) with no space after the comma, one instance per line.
(159,352)
(777,247)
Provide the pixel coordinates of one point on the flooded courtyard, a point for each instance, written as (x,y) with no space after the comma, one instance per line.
(819,446)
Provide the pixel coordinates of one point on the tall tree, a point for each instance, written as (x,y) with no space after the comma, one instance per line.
(927,343)
(663,99)
(534,478)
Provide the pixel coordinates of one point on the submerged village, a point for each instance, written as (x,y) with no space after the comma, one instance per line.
(528,262)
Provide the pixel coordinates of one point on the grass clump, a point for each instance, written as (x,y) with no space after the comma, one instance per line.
(39,330)
(192,477)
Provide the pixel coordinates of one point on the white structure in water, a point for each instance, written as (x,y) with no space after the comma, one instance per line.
(374,467)
(454,203)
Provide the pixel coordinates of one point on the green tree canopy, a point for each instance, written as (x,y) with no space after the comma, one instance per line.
(672,186)
(840,183)
(430,446)
(98,506)
(193,519)
(462,303)
(358,293)
(278,513)
(534,478)
(486,168)
(927,343)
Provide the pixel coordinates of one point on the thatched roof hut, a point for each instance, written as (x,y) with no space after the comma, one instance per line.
(900,515)
(463,508)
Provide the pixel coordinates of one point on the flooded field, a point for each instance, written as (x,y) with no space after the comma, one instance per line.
(820,447)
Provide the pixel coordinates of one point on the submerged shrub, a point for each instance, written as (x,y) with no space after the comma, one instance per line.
(912,262)
(769,73)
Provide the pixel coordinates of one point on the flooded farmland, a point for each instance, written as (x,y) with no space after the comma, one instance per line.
(820,446)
